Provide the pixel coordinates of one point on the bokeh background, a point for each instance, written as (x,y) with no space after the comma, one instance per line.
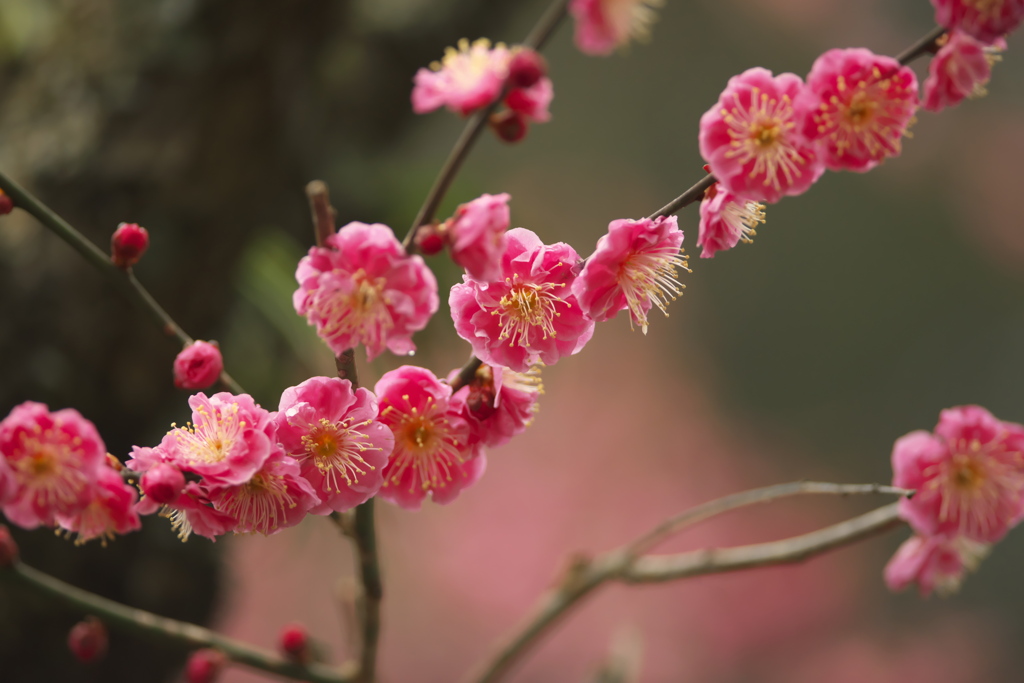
(861,310)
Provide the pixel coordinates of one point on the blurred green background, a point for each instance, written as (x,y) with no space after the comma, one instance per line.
(860,311)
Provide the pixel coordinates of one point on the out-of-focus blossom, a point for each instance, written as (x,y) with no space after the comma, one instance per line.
(294,642)
(969,475)
(110,512)
(8,547)
(465,79)
(476,235)
(274,498)
(633,267)
(510,126)
(334,434)
(603,25)
(726,220)
(526,68)
(362,288)
(500,403)
(530,316)
(961,68)
(127,245)
(6,204)
(198,366)
(205,666)
(986,20)
(934,563)
(88,640)
(532,102)
(52,463)
(858,105)
(433,452)
(752,141)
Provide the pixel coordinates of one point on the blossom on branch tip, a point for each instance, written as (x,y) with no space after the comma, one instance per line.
(530,314)
(935,563)
(857,105)
(476,235)
(434,454)
(88,640)
(127,245)
(198,366)
(752,141)
(986,20)
(726,220)
(110,512)
(603,25)
(205,666)
(961,68)
(634,267)
(362,288)
(334,434)
(466,79)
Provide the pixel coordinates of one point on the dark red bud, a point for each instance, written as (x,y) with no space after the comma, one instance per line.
(204,666)
(430,239)
(8,548)
(128,244)
(294,642)
(526,68)
(509,126)
(6,204)
(87,640)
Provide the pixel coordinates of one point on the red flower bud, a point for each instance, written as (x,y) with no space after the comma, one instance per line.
(128,244)
(198,366)
(204,666)
(163,483)
(430,239)
(509,126)
(87,640)
(526,68)
(294,642)
(8,548)
(6,204)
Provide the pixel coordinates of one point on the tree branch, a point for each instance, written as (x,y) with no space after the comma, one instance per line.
(373,591)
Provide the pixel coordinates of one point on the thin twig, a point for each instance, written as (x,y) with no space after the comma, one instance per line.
(124,280)
(139,621)
(467,373)
(922,46)
(373,591)
(321,209)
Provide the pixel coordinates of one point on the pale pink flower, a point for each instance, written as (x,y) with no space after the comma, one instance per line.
(633,267)
(274,498)
(465,79)
(53,461)
(752,141)
(603,25)
(726,220)
(198,366)
(530,316)
(934,563)
(969,475)
(476,235)
(499,403)
(532,102)
(986,20)
(858,106)
(110,512)
(961,68)
(362,288)
(334,434)
(433,452)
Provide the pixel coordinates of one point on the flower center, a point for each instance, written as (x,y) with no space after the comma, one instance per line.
(46,469)
(363,310)
(742,217)
(260,503)
(214,434)
(423,444)
(336,449)
(649,278)
(526,309)
(759,132)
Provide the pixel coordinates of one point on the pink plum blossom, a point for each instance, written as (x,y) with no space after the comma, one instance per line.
(532,102)
(433,452)
(52,463)
(191,512)
(465,79)
(603,25)
(961,68)
(934,563)
(198,366)
(499,403)
(726,220)
(857,105)
(530,315)
(334,434)
(986,20)
(274,498)
(163,482)
(476,235)
(752,141)
(633,267)
(110,512)
(969,475)
(363,288)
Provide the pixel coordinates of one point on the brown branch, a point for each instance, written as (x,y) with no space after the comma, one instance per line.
(320,207)
(372,593)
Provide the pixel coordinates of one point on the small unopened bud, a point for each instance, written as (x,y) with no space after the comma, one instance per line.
(509,126)
(430,239)
(163,483)
(8,548)
(128,244)
(6,204)
(87,640)
(204,666)
(197,366)
(294,641)
(526,68)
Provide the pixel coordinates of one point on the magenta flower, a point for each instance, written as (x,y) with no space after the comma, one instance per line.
(857,105)
(531,315)
(433,453)
(198,366)
(969,475)
(110,512)
(499,403)
(191,512)
(363,289)
(603,25)
(127,245)
(752,141)
(476,235)
(276,497)
(726,220)
(961,68)
(532,102)
(633,267)
(53,462)
(934,563)
(986,20)
(163,482)
(464,80)
(334,434)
